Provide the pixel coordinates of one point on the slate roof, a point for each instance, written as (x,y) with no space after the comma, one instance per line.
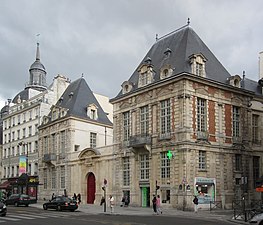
(77,97)
(183,43)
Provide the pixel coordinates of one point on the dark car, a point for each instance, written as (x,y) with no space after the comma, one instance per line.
(18,199)
(61,203)
(3,209)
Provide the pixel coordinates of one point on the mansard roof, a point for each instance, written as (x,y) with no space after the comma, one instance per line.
(181,45)
(77,97)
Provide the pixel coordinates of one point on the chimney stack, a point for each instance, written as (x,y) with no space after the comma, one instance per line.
(261,65)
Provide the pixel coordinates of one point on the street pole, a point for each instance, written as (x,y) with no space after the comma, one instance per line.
(105,199)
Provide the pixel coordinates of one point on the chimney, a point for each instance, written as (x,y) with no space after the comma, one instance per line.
(260,65)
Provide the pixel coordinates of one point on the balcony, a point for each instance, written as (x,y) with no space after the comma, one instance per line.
(237,140)
(139,140)
(49,157)
(202,135)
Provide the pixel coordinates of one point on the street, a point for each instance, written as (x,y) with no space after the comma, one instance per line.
(32,216)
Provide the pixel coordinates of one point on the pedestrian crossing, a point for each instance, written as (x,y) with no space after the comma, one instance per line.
(14,217)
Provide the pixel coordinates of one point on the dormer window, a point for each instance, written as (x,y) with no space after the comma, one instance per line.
(166,71)
(235,81)
(145,75)
(197,62)
(126,87)
(92,111)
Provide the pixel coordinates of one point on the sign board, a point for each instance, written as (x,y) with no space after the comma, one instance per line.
(259,189)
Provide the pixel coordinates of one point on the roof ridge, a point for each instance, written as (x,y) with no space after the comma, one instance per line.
(187,25)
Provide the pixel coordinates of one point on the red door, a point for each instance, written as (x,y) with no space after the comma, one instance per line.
(91,188)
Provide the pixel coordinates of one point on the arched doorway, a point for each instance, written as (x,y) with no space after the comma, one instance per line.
(91,188)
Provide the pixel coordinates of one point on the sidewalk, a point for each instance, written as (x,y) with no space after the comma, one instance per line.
(224,215)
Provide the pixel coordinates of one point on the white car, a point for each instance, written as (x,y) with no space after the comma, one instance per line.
(257,219)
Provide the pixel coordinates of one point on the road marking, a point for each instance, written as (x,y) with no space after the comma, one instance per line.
(8,218)
(21,217)
(37,216)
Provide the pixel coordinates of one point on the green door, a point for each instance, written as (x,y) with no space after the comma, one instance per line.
(145,196)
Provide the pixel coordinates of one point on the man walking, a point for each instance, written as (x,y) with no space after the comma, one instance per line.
(195,201)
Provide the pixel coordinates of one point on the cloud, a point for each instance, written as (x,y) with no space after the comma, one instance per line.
(106,40)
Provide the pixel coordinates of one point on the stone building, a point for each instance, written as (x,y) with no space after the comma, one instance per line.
(20,120)
(72,143)
(184,126)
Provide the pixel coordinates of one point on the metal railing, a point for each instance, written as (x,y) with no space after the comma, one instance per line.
(215,205)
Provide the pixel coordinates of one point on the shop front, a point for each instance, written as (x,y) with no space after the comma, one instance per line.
(26,185)
(205,190)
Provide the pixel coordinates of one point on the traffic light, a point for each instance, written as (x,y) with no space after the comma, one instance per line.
(103,188)
(157,187)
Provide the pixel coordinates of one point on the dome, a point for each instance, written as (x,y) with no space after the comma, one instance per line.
(37,65)
(21,96)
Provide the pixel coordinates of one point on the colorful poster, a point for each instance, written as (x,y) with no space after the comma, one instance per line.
(22,164)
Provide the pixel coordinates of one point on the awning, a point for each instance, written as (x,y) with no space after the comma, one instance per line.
(5,185)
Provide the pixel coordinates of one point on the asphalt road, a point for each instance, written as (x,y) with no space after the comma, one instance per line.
(35,216)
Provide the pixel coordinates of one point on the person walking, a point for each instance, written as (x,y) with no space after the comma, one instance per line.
(195,201)
(154,204)
(111,199)
(79,198)
(74,197)
(158,205)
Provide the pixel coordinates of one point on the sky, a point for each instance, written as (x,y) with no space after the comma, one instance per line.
(105,40)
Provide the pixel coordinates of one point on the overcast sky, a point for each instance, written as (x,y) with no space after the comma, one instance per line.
(106,39)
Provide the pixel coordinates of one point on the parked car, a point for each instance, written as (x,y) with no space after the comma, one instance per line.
(18,199)
(61,203)
(3,209)
(257,219)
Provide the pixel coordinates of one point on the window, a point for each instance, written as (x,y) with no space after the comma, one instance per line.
(45,178)
(236,121)
(24,132)
(201,115)
(93,140)
(18,119)
(255,129)
(53,178)
(36,146)
(13,135)
(165,165)
(93,114)
(24,117)
(126,171)
(30,115)
(144,166)
(18,134)
(14,121)
(165,115)
(197,62)
(63,141)
(92,111)
(255,169)
(30,131)
(126,126)
(62,177)
(144,79)
(45,145)
(53,142)
(202,160)
(144,120)
(36,128)
(238,162)
(29,169)
(36,112)
(199,69)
